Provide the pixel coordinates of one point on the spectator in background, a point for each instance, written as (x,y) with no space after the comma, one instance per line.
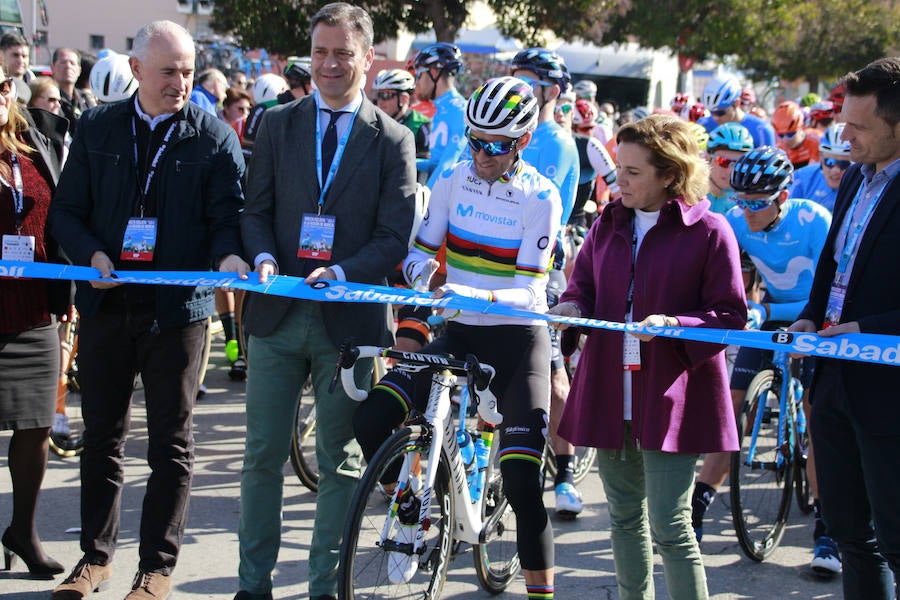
(65,65)
(236,108)
(83,82)
(238,79)
(45,95)
(210,90)
(14,54)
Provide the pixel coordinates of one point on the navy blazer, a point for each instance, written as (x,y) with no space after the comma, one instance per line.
(371,198)
(873,300)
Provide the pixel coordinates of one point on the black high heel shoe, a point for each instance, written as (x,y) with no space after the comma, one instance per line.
(39,567)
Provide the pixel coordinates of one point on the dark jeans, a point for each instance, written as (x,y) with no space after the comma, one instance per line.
(113,348)
(858,487)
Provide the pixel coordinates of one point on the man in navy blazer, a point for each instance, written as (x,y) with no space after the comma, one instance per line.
(367,210)
(855,413)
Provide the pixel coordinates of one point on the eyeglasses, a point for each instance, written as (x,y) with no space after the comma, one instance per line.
(6,86)
(789,134)
(386,95)
(52,99)
(719,112)
(723,162)
(843,165)
(756,204)
(490,148)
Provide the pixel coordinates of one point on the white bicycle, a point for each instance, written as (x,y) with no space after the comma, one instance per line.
(399,543)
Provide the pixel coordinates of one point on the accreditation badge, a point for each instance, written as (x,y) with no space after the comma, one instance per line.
(18,247)
(140,240)
(316,236)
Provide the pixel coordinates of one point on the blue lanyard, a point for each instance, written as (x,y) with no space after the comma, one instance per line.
(151,171)
(339,151)
(854,234)
(17,190)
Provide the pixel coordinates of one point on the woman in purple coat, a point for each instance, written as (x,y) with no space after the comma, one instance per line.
(650,404)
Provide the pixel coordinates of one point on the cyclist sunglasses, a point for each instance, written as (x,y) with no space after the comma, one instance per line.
(386,95)
(756,204)
(724,162)
(789,134)
(533,83)
(843,165)
(719,112)
(490,148)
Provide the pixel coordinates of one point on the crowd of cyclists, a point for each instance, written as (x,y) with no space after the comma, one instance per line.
(543,143)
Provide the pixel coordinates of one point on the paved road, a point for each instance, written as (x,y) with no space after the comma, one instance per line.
(208,564)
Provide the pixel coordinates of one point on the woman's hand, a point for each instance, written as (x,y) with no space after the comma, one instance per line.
(654,321)
(564,309)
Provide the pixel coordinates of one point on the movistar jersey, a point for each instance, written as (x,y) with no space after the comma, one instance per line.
(499,236)
(786,256)
(721,204)
(447,135)
(761,132)
(809,182)
(553,153)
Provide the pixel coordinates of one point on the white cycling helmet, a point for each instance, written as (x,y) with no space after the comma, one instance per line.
(267,87)
(721,92)
(394,79)
(111,78)
(586,90)
(502,106)
(832,143)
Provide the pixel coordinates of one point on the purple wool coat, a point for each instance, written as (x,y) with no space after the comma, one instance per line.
(688,267)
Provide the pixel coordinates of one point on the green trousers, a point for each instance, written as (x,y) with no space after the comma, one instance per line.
(649,498)
(278,366)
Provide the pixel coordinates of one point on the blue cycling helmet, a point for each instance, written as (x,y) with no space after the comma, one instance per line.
(546,64)
(763,170)
(721,92)
(442,55)
(730,136)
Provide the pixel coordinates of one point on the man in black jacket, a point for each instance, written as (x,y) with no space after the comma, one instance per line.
(151,183)
(854,411)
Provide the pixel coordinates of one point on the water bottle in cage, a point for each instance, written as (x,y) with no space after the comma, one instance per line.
(482,456)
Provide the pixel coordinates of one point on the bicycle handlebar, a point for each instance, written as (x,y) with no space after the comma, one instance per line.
(478,375)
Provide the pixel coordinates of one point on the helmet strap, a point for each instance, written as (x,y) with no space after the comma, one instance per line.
(777,218)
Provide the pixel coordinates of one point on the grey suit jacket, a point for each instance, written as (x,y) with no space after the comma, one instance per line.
(371,197)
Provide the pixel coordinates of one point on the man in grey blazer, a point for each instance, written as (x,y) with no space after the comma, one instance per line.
(357,230)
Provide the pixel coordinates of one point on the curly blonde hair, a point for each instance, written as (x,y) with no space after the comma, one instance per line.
(674,152)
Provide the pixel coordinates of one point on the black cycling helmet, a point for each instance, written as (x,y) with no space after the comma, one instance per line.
(546,63)
(443,56)
(298,67)
(763,170)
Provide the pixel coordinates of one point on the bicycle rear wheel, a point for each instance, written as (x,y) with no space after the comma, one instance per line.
(497,557)
(762,473)
(303,441)
(365,558)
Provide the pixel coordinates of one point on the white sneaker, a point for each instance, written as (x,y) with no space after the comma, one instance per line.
(402,566)
(61,425)
(568,501)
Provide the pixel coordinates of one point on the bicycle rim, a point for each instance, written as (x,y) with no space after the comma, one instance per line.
(303,444)
(363,571)
(67,446)
(497,558)
(760,487)
(802,489)
(584,460)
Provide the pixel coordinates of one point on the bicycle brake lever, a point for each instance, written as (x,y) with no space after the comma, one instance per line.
(347,355)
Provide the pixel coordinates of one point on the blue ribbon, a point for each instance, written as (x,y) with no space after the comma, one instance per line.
(864,347)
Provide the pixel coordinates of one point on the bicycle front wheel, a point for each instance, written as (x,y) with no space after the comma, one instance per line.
(303,442)
(372,546)
(497,557)
(761,472)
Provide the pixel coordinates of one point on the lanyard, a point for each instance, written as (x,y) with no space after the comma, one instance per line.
(151,170)
(339,151)
(630,299)
(854,233)
(18,191)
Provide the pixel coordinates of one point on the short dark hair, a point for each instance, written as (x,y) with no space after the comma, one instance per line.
(880,78)
(233,95)
(12,39)
(341,13)
(56,52)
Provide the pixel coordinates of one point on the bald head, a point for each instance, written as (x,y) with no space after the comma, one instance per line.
(168,30)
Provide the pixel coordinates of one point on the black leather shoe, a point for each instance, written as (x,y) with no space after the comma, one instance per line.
(242,595)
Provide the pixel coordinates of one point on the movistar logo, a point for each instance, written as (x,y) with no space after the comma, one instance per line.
(469,211)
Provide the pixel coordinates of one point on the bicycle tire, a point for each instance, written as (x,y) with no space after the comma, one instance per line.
(760,494)
(584,460)
(303,442)
(497,558)
(363,568)
(802,488)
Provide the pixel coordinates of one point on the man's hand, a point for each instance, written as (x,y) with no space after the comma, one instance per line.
(266,268)
(564,309)
(653,321)
(101,262)
(234,264)
(320,273)
(801,326)
(851,327)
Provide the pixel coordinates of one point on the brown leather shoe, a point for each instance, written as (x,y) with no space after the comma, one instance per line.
(84,579)
(150,586)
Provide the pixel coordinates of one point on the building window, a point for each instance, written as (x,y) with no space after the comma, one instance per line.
(129,43)
(98,42)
